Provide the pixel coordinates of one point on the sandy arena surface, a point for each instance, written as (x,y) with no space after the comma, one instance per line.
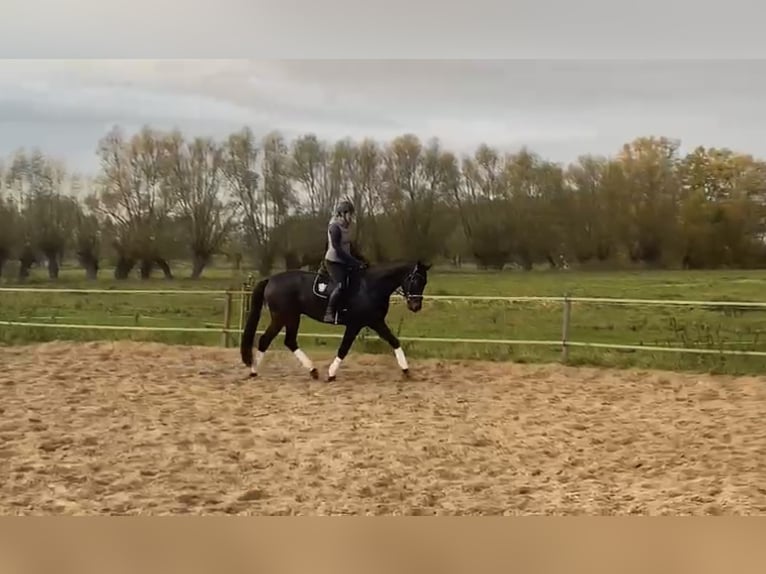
(135,428)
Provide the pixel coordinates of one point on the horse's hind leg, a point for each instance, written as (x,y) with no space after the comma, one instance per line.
(265,340)
(291,342)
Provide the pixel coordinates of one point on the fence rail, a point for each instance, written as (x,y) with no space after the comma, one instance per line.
(512,299)
(564,343)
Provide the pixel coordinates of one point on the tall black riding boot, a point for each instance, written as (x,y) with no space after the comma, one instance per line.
(332,305)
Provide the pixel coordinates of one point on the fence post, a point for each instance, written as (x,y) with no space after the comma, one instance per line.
(226,320)
(565,328)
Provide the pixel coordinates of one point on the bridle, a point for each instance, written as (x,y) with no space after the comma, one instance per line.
(405,287)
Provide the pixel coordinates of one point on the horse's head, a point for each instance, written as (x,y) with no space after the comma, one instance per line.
(414,284)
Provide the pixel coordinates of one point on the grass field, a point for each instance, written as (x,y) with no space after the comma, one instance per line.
(730,328)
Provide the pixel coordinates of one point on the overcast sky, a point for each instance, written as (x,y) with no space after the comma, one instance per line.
(558,108)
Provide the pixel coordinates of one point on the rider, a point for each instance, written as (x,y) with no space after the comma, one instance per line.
(341,258)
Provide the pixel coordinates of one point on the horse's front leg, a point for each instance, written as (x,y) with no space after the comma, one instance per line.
(345,345)
(383,331)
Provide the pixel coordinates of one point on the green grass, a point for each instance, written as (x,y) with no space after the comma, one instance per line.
(666,326)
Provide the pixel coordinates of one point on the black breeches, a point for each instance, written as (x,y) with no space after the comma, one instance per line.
(339,273)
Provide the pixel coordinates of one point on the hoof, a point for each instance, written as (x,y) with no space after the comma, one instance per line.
(314,374)
(405,373)
(253,375)
(330,379)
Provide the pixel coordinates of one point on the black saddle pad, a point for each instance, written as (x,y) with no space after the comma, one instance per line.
(323,284)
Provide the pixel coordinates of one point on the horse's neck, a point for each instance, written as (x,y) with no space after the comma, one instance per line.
(390,281)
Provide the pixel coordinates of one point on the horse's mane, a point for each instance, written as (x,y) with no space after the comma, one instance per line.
(381,269)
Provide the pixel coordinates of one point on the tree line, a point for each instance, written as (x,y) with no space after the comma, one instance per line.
(160,197)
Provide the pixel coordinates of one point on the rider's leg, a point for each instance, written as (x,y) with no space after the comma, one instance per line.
(338,272)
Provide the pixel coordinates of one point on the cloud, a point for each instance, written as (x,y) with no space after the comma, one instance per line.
(398,28)
(559,108)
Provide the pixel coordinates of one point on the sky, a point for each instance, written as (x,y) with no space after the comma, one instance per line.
(72,77)
(560,109)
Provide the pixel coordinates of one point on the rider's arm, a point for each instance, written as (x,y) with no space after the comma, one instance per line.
(335,237)
(358,254)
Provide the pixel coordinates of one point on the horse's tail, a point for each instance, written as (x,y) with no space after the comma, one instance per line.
(248,335)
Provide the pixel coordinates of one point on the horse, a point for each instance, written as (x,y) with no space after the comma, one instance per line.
(291,294)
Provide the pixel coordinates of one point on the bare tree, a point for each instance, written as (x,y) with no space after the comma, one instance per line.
(413,181)
(9,215)
(310,168)
(48,210)
(593,211)
(483,203)
(363,165)
(194,177)
(134,200)
(536,189)
(89,228)
(277,187)
(258,179)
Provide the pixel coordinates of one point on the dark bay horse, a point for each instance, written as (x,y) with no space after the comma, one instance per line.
(293,293)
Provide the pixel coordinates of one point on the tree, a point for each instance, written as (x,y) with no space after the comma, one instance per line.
(593,211)
(309,167)
(135,201)
(414,181)
(194,178)
(483,202)
(536,189)
(258,179)
(313,169)
(363,171)
(159,196)
(47,212)
(9,216)
(650,199)
(721,211)
(88,227)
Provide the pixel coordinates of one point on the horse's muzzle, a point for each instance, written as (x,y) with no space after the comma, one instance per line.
(414,304)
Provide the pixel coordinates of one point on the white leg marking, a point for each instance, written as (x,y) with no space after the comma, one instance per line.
(257,362)
(334,366)
(400,358)
(303,358)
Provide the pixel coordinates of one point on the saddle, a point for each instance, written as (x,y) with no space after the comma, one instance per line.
(324,284)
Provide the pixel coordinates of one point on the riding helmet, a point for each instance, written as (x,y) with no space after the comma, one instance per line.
(344,206)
